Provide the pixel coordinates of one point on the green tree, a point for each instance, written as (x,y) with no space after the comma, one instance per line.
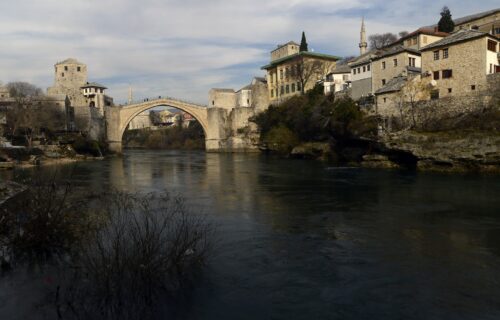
(446,24)
(303,43)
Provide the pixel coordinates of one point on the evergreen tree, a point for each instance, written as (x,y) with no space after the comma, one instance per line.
(446,24)
(303,43)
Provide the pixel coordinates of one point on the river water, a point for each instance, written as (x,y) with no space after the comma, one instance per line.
(298,239)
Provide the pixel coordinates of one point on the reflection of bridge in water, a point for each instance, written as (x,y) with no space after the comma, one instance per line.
(118,117)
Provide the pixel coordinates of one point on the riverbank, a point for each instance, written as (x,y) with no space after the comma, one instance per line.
(46,155)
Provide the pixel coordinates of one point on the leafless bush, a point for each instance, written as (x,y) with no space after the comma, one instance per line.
(43,223)
(147,247)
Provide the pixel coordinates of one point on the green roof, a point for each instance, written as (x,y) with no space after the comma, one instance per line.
(303,53)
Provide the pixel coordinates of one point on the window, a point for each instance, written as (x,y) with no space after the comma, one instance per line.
(281,74)
(383,82)
(445,53)
(78,69)
(287,73)
(293,87)
(436,75)
(492,45)
(345,77)
(449,90)
(62,74)
(447,73)
(298,86)
(385,100)
(359,70)
(65,68)
(368,67)
(412,62)
(383,64)
(496,31)
(395,61)
(213,102)
(434,94)
(282,90)
(436,55)
(364,68)
(473,87)
(354,70)
(287,88)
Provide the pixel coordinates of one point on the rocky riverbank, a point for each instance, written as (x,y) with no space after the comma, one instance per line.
(423,151)
(41,155)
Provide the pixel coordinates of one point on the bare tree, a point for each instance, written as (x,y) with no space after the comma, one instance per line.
(412,92)
(378,41)
(32,112)
(307,70)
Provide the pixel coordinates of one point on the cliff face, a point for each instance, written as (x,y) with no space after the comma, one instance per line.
(448,151)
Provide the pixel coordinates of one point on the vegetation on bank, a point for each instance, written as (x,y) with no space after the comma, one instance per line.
(112,255)
(175,137)
(313,117)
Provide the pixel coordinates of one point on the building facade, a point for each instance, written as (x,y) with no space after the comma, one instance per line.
(459,64)
(296,73)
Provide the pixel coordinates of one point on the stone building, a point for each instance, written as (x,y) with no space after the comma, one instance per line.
(291,69)
(373,69)
(459,63)
(4,92)
(337,80)
(420,38)
(141,121)
(487,21)
(393,62)
(87,99)
(253,95)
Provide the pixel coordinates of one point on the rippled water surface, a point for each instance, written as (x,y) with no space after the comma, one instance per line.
(301,240)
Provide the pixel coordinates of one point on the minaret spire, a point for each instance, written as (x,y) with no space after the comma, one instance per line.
(130,98)
(362,43)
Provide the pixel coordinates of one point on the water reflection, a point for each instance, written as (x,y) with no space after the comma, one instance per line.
(300,240)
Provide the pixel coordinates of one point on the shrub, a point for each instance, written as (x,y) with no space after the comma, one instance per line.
(281,140)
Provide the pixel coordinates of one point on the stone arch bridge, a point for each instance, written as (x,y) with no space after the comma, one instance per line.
(118,118)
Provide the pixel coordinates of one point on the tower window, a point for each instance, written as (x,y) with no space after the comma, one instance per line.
(383,82)
(65,68)
(78,69)
(473,87)
(383,64)
(62,74)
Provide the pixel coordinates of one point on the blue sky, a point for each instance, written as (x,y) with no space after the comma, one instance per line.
(182,48)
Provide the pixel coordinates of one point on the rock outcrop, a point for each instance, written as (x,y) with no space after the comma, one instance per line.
(448,151)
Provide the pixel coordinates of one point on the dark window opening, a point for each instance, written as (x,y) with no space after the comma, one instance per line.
(65,68)
(473,87)
(436,75)
(447,73)
(492,45)
(449,90)
(434,94)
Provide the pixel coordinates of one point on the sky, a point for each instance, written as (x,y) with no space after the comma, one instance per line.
(183,48)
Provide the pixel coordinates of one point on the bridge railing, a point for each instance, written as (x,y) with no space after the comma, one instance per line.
(160,98)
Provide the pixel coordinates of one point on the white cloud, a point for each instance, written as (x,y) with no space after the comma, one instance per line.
(185,47)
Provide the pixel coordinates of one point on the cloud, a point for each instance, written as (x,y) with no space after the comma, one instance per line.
(184,47)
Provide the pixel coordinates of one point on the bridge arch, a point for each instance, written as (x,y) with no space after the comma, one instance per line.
(119,117)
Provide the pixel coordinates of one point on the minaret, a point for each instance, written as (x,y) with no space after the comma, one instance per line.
(362,43)
(130,99)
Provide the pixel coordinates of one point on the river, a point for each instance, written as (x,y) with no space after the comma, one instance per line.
(301,240)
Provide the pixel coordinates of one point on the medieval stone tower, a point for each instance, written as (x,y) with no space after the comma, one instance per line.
(362,41)
(70,76)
